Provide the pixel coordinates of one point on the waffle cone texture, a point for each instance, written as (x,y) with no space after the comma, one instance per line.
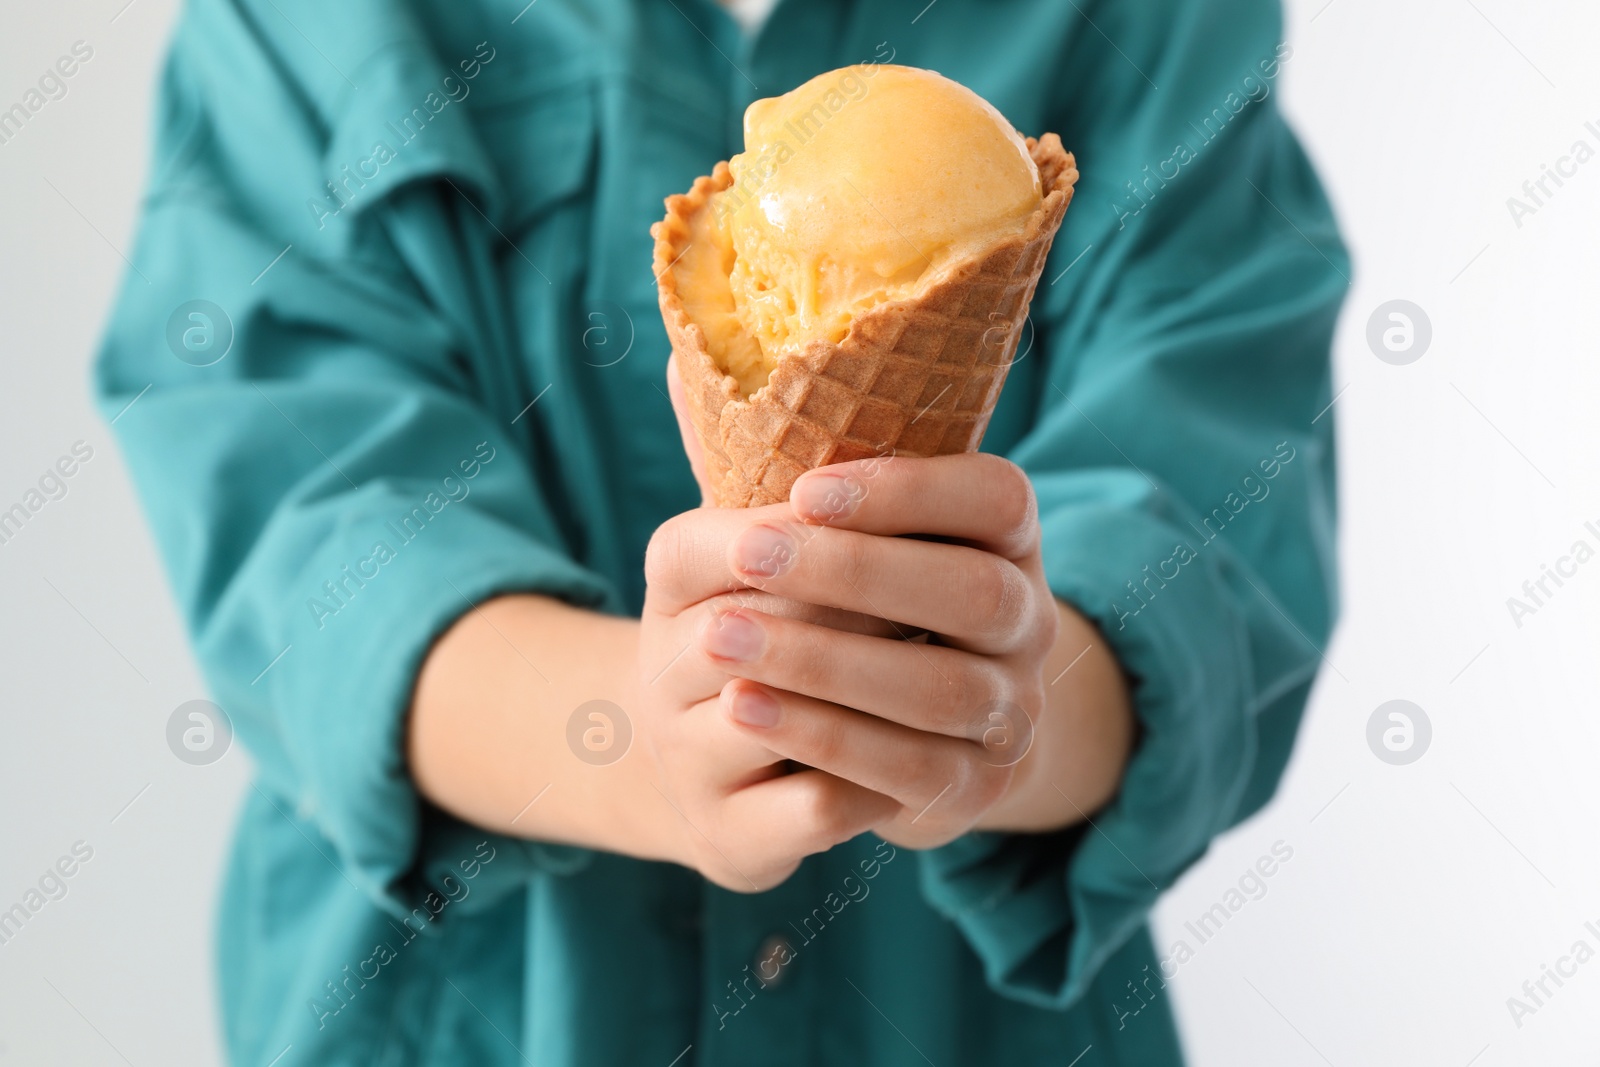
(915,377)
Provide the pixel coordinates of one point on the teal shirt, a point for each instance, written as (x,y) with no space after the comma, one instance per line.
(430,369)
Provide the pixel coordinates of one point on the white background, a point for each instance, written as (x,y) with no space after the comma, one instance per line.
(1418,899)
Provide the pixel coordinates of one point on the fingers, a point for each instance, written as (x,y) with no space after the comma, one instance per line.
(924,687)
(822,809)
(972,599)
(687,558)
(786,608)
(730,759)
(980,499)
(691,440)
(686,564)
(781,820)
(912,767)
(684,664)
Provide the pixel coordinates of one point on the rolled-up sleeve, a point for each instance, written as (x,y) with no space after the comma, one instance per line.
(1183,473)
(303,397)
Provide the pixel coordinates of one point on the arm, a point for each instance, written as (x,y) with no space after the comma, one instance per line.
(361,402)
(487,731)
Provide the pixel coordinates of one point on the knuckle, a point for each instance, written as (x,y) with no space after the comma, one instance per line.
(826,817)
(931,765)
(1031,697)
(999,598)
(953,701)
(1048,629)
(976,783)
(988,785)
(987,592)
(666,553)
(976,687)
(1017,507)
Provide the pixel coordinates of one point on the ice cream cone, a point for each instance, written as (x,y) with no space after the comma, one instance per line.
(914,377)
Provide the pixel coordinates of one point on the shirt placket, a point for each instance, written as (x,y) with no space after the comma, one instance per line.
(759,983)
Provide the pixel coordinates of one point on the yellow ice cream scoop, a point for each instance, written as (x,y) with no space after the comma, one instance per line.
(852,188)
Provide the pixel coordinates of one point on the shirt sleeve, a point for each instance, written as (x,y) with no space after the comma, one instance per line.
(1184,475)
(319,421)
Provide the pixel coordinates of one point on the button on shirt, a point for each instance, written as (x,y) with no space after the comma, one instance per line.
(447,384)
(772,957)
(750,14)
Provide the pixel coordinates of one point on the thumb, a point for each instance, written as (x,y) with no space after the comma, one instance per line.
(691,440)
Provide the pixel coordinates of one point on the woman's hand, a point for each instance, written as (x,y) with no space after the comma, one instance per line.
(940,727)
(972,727)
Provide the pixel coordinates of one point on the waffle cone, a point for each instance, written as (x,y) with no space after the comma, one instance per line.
(915,377)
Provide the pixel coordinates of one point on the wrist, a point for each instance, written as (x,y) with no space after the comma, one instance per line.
(1030,803)
(1083,736)
(656,829)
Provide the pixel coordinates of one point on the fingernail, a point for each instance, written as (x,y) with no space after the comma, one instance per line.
(764,551)
(826,497)
(734,637)
(754,708)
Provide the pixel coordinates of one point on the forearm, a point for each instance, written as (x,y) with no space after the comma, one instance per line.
(488,727)
(488,730)
(1082,740)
